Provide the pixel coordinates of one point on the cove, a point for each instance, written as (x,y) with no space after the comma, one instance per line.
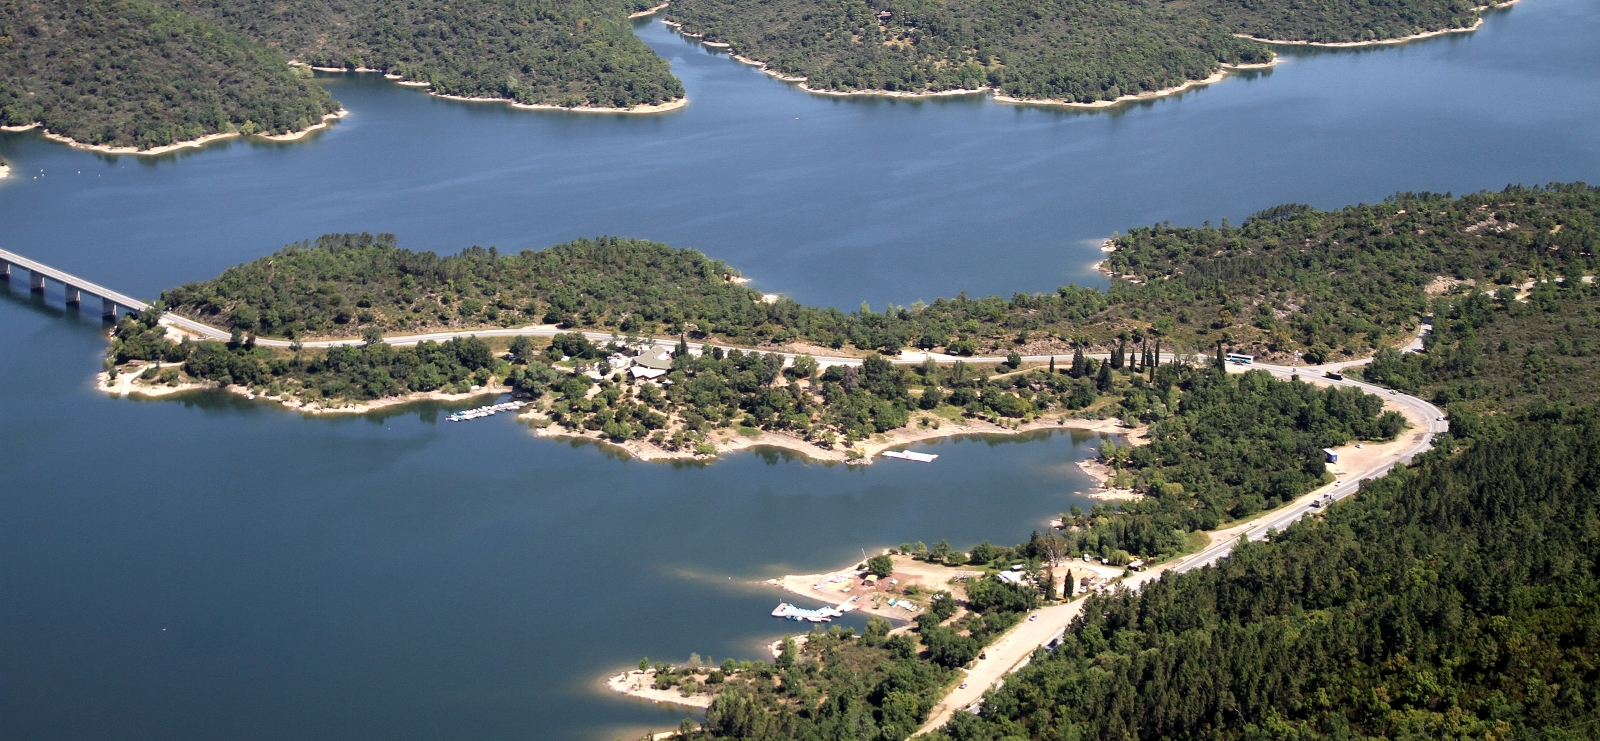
(210,568)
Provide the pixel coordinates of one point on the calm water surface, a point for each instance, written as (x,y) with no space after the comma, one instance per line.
(212,568)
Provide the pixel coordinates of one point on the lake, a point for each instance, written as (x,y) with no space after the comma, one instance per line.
(209,567)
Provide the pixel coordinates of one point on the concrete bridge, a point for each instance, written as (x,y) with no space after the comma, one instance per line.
(74,287)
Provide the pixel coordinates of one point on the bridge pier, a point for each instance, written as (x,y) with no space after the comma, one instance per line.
(5,271)
(74,296)
(36,282)
(108,310)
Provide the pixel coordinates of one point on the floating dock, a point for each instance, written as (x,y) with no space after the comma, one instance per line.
(819,615)
(488,411)
(907,455)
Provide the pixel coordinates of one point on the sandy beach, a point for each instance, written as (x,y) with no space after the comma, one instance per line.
(327,120)
(5,170)
(641,684)
(800,82)
(1382,42)
(670,105)
(650,11)
(731,440)
(128,384)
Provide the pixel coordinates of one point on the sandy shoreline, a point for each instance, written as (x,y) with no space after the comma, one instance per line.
(651,11)
(128,384)
(1382,42)
(670,105)
(731,441)
(5,171)
(327,120)
(641,684)
(1218,76)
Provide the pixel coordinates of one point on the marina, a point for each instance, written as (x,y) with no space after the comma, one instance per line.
(819,615)
(488,411)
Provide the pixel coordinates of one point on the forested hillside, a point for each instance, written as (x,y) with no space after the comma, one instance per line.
(1335,285)
(552,52)
(130,73)
(1454,600)
(147,73)
(1341,22)
(1074,50)
(1510,349)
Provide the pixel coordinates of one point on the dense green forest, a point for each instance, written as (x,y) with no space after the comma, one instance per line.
(1456,599)
(1076,50)
(1341,22)
(147,73)
(130,73)
(550,52)
(1512,349)
(836,684)
(1334,284)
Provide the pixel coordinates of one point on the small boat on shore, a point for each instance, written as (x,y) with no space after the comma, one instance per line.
(488,411)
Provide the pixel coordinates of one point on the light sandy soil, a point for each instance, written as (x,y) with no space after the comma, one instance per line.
(730,441)
(1218,76)
(670,105)
(1383,42)
(651,11)
(1441,285)
(640,684)
(128,384)
(999,98)
(202,141)
(874,600)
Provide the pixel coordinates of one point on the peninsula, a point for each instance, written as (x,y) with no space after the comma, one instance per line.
(1141,620)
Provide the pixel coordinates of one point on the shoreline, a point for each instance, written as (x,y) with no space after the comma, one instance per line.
(641,684)
(327,120)
(1354,44)
(650,11)
(1382,42)
(127,384)
(731,441)
(1218,76)
(670,105)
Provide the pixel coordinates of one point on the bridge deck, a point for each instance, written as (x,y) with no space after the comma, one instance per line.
(39,268)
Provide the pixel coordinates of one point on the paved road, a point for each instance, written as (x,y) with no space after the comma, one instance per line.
(1013,650)
(549,330)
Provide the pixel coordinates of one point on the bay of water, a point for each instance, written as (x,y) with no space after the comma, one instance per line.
(212,568)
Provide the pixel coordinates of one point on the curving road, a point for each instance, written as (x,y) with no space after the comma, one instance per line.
(1013,650)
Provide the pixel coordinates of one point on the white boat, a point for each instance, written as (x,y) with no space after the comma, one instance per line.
(907,455)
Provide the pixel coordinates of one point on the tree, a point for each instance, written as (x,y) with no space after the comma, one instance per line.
(1102,381)
(805,366)
(880,565)
(372,336)
(521,348)
(1014,359)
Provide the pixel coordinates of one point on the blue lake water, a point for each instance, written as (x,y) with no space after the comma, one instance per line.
(213,568)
